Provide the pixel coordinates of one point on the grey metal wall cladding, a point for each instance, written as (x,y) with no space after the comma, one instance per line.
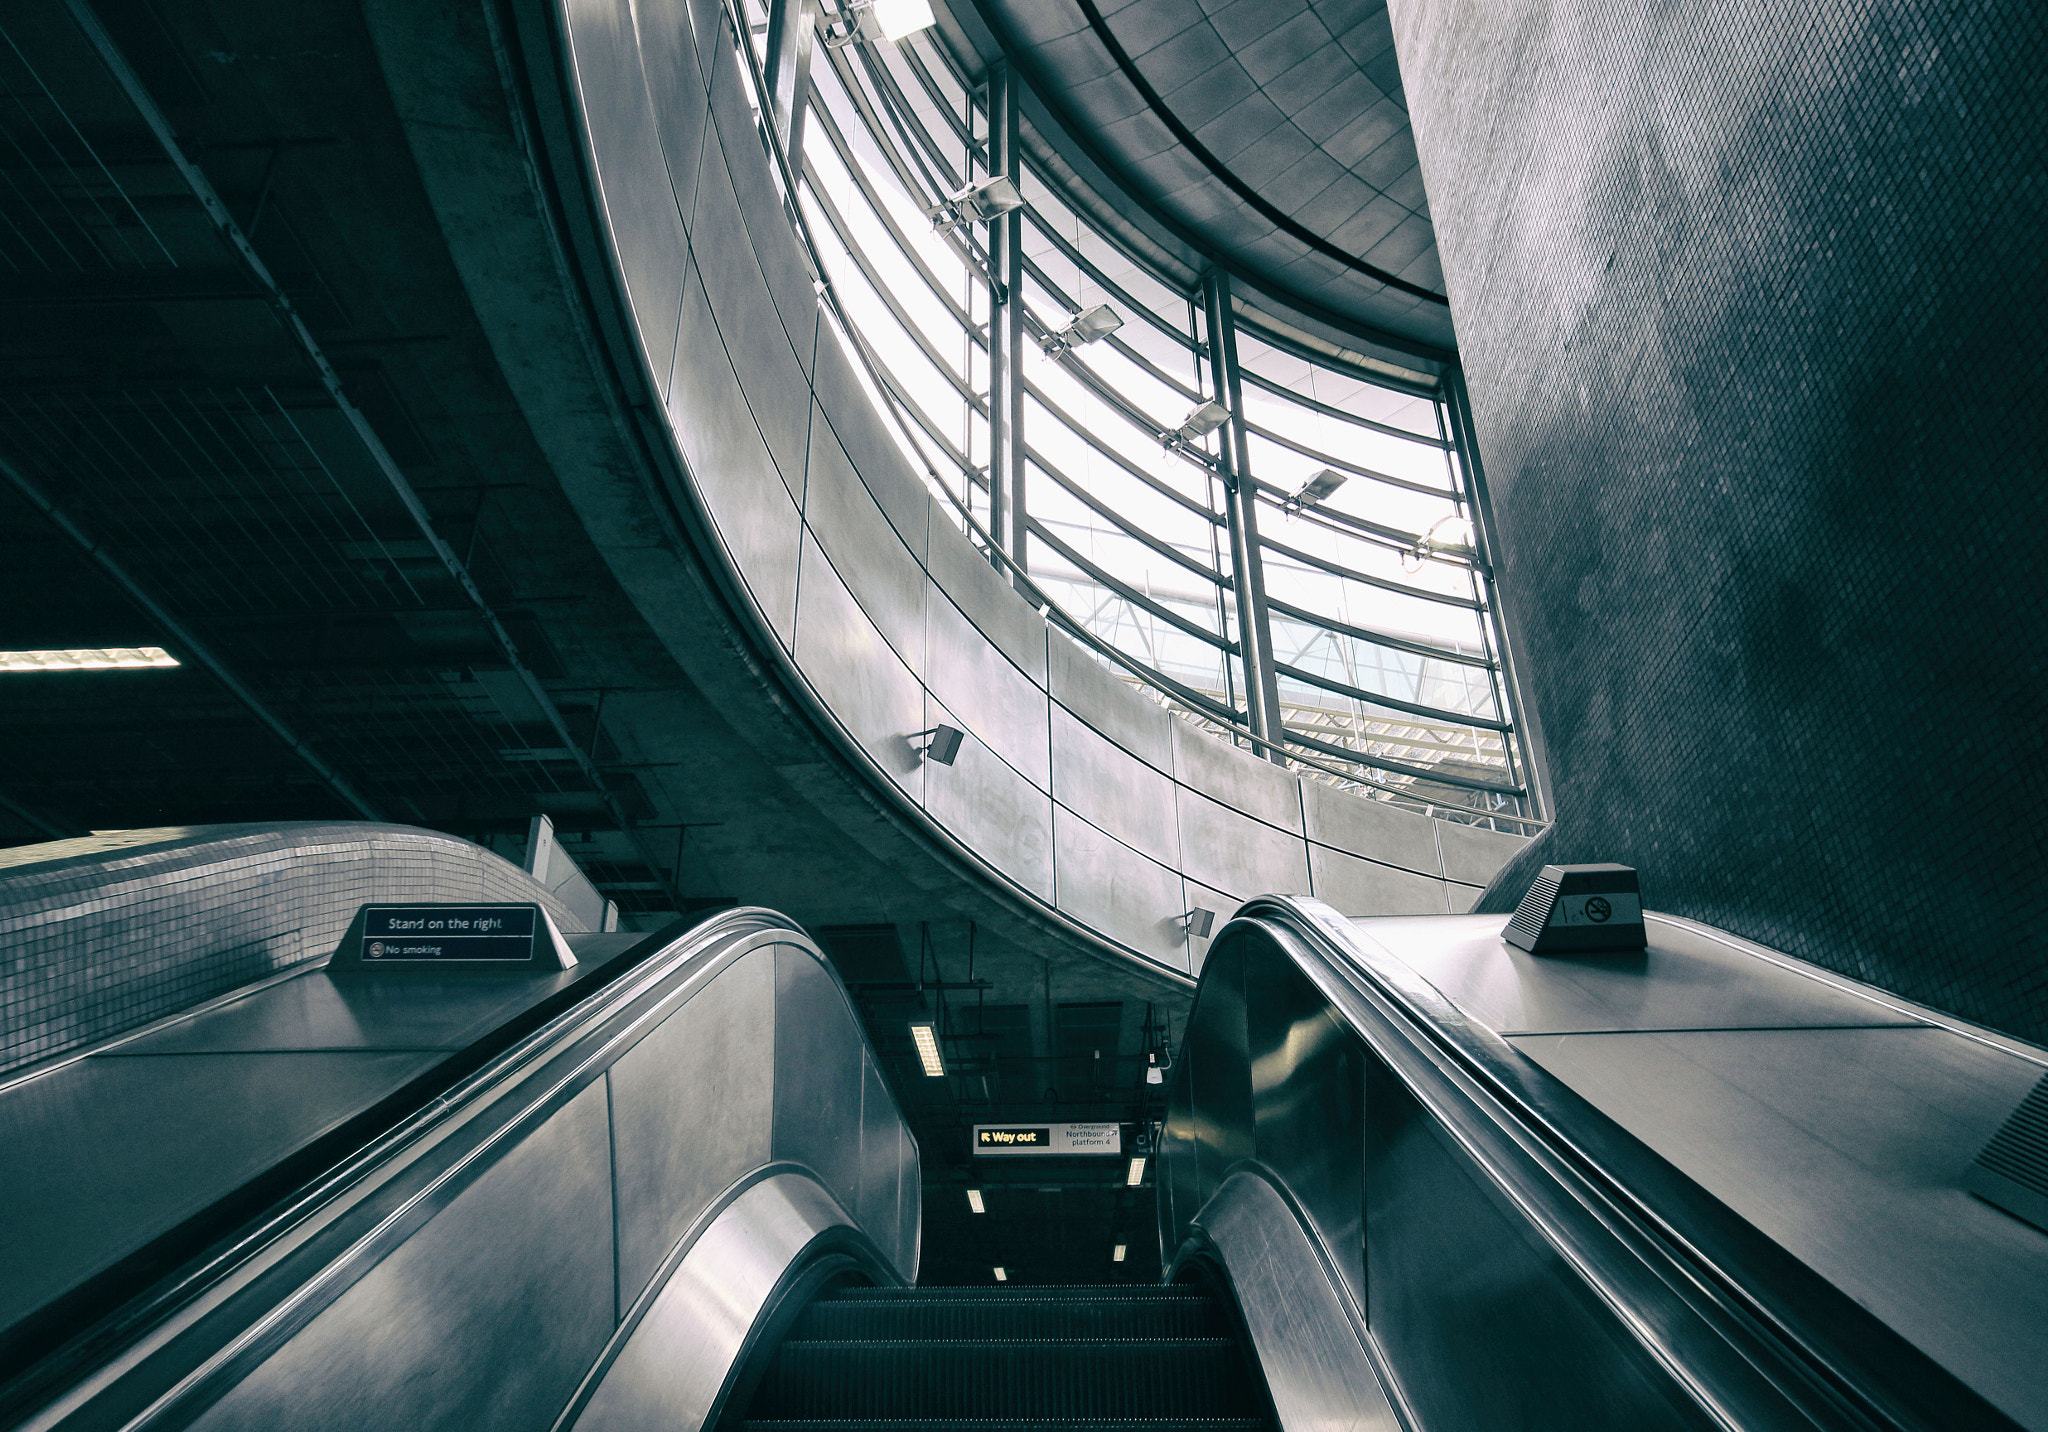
(893,620)
(102,934)
(1751,302)
(1353,885)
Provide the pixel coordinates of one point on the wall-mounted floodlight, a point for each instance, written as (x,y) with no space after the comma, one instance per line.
(1136,1175)
(1451,536)
(926,1039)
(1198,425)
(1315,489)
(974,1200)
(89,658)
(1084,327)
(1002,1275)
(976,204)
(1116,1254)
(877,20)
(940,743)
(1197,923)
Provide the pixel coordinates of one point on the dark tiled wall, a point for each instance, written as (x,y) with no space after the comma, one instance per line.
(105,933)
(1752,304)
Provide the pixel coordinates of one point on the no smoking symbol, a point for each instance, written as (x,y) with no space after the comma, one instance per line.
(1597,910)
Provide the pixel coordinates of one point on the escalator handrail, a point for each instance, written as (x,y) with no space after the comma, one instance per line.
(146,1291)
(1686,1251)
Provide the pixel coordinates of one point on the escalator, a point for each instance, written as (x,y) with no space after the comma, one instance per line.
(682,1195)
(1009,1359)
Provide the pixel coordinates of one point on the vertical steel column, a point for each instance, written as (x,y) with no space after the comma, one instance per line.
(1005,327)
(792,34)
(1241,508)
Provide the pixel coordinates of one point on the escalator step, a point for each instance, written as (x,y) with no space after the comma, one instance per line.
(1015,1317)
(1026,1424)
(1170,1379)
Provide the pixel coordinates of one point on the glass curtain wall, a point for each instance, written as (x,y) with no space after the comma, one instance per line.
(1381,631)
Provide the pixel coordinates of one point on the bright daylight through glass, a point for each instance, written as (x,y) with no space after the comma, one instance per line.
(1382,635)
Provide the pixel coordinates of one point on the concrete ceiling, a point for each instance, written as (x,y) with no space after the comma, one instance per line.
(1272,133)
(149,391)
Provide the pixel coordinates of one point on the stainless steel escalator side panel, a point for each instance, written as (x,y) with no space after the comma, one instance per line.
(1318,1370)
(1526,1261)
(680,1356)
(375,1295)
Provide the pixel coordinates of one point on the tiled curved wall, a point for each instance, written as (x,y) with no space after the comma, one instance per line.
(105,933)
(1070,785)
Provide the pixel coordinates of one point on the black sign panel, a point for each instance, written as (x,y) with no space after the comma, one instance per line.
(497,934)
(1011,1138)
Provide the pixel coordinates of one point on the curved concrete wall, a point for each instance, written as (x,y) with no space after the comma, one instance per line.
(1071,786)
(105,933)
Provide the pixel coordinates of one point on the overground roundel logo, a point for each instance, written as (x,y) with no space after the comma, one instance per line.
(1598,910)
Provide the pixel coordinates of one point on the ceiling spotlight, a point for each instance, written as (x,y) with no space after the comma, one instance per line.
(89,658)
(941,744)
(1117,1254)
(1451,536)
(1316,489)
(1137,1174)
(976,204)
(1084,327)
(974,1200)
(1198,425)
(1002,1275)
(927,1040)
(876,20)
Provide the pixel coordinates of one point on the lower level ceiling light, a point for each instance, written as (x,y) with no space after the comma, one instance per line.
(88,658)
(1117,1256)
(1002,1275)
(974,1200)
(1137,1174)
(927,1040)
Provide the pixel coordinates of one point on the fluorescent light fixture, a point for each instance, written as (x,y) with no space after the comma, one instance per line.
(1117,1254)
(974,1200)
(1137,1174)
(941,744)
(1317,488)
(1203,421)
(88,658)
(1002,1275)
(927,1040)
(1084,327)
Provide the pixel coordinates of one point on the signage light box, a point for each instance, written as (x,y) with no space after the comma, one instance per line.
(1047,1140)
